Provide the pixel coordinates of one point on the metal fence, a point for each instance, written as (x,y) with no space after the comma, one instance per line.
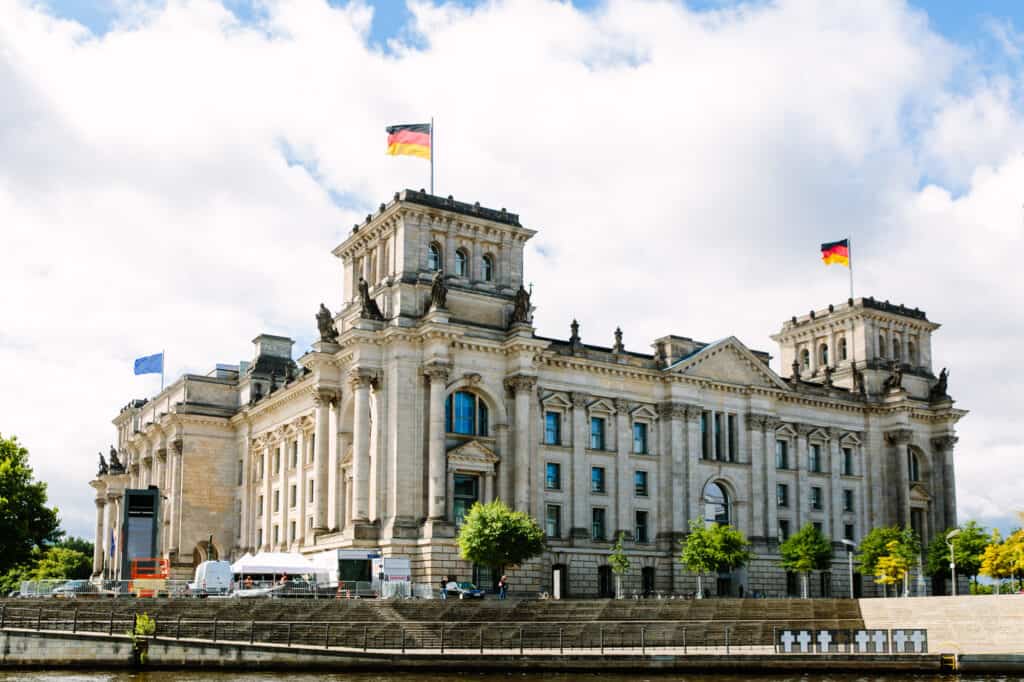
(280,589)
(625,637)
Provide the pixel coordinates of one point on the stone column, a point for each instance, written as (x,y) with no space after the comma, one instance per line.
(580,476)
(437,508)
(944,459)
(623,480)
(488,492)
(665,468)
(522,386)
(97,552)
(834,468)
(695,506)
(245,494)
(771,479)
(803,488)
(283,485)
(361,380)
(899,439)
(322,400)
(113,507)
(758,475)
(300,493)
(268,505)
(177,463)
(680,454)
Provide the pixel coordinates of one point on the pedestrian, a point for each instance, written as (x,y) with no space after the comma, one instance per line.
(444,588)
(502,587)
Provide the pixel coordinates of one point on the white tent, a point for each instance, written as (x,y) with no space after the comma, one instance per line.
(274,563)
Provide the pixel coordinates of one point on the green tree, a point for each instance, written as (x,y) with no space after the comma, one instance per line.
(26,523)
(968,547)
(619,563)
(997,561)
(495,536)
(892,567)
(712,548)
(805,551)
(888,542)
(61,562)
(78,544)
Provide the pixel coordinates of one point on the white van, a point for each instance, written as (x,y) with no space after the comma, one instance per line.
(212,577)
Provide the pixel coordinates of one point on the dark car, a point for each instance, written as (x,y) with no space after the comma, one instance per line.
(73,588)
(464,590)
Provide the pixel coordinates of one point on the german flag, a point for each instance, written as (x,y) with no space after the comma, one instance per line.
(409,140)
(836,252)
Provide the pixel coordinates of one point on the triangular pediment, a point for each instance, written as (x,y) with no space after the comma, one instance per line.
(729,361)
(919,493)
(473,453)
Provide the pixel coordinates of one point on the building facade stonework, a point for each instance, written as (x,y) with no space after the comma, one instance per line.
(430,390)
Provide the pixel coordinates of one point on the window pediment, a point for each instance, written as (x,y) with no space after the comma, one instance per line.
(850,440)
(555,401)
(645,412)
(475,455)
(918,493)
(601,407)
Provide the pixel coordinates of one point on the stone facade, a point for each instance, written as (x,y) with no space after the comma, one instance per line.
(436,391)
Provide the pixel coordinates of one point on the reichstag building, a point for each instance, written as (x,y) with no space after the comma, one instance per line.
(430,390)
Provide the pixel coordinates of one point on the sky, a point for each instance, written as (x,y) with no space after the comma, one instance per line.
(173,175)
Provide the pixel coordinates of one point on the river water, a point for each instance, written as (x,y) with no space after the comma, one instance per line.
(187,676)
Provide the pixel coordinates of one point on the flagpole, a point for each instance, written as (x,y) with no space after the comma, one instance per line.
(431,154)
(849,261)
(853,333)
(163,361)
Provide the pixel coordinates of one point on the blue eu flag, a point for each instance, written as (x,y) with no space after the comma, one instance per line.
(151,364)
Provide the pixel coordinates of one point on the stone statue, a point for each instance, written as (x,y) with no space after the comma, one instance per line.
(938,391)
(895,380)
(116,467)
(858,382)
(828,376)
(325,322)
(521,311)
(438,292)
(368,309)
(796,371)
(618,347)
(102,471)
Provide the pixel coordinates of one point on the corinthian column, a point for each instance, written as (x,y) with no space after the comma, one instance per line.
(437,375)
(321,440)
(522,386)
(944,460)
(97,551)
(580,475)
(361,380)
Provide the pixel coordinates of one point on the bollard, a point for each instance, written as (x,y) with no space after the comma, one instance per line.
(403,640)
(74,623)
(110,631)
(481,640)
(684,641)
(364,638)
(442,639)
(602,641)
(289,634)
(327,636)
(726,640)
(775,640)
(177,630)
(561,643)
(520,640)
(39,619)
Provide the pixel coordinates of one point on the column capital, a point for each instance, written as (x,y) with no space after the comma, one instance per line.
(579,399)
(161,454)
(771,423)
(804,430)
(757,421)
(325,396)
(518,383)
(437,371)
(899,436)
(622,405)
(363,377)
(943,443)
(177,445)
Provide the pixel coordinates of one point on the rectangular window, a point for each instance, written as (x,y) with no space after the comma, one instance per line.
(640,438)
(783,530)
(291,497)
(553,476)
(312,447)
(553,521)
(309,522)
(848,531)
(817,526)
(260,467)
(815,497)
(259,537)
(277,501)
(597,433)
(781,454)
(597,524)
(467,493)
(259,506)
(782,494)
(597,480)
(295,454)
(310,496)
(847,500)
(640,534)
(814,458)
(733,438)
(277,460)
(640,483)
(241,470)
(552,428)
(847,461)
(291,531)
(275,534)
(719,440)
(705,435)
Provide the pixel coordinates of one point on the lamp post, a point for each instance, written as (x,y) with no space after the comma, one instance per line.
(952,557)
(850,546)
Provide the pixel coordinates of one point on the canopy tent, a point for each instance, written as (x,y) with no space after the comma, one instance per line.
(275,563)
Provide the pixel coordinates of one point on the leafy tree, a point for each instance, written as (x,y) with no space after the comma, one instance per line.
(25,520)
(968,547)
(1001,559)
(805,551)
(61,562)
(892,567)
(78,544)
(896,546)
(619,563)
(495,536)
(712,548)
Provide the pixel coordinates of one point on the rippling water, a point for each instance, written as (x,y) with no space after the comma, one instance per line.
(171,675)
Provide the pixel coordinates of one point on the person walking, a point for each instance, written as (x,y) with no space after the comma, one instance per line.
(502,587)
(444,587)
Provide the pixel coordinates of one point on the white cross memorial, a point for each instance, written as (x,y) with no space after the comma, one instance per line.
(824,639)
(787,640)
(918,638)
(899,638)
(879,642)
(862,641)
(804,638)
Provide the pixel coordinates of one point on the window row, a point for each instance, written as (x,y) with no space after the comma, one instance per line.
(598,524)
(435,262)
(785,530)
(823,354)
(719,436)
(292,501)
(553,480)
(896,349)
(598,430)
(276,460)
(814,458)
(782,497)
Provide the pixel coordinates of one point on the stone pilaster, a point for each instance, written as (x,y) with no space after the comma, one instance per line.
(623,479)
(899,440)
(361,380)
(803,488)
(437,376)
(580,530)
(522,386)
(758,464)
(943,446)
(325,479)
(771,478)
(834,468)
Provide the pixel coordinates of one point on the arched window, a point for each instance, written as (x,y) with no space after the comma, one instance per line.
(434,257)
(842,348)
(466,413)
(805,359)
(716,504)
(896,349)
(487,268)
(911,353)
(881,345)
(460,263)
(823,354)
(913,467)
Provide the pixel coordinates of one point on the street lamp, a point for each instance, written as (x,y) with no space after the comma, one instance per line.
(850,546)
(952,557)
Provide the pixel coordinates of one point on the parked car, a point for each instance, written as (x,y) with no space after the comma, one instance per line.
(464,590)
(73,588)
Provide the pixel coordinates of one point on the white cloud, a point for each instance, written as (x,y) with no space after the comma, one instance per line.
(682,168)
